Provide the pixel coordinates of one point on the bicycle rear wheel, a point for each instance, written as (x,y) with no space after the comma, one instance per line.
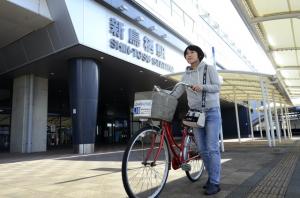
(141,175)
(192,156)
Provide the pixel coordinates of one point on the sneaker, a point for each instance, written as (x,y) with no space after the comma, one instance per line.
(212,189)
(186,167)
(206,184)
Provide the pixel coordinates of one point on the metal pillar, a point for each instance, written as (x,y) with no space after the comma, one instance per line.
(250,118)
(222,139)
(289,129)
(282,121)
(221,129)
(278,131)
(237,118)
(270,118)
(286,122)
(259,120)
(267,126)
(84,89)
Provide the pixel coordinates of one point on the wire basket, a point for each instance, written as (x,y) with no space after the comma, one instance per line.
(155,105)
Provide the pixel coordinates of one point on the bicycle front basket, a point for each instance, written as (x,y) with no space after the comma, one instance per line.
(154,105)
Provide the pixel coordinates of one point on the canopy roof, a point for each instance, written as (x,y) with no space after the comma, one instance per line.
(246,86)
(276,26)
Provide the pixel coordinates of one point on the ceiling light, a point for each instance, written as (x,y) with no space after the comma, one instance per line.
(123,8)
(139,19)
(52,74)
(141,71)
(152,28)
(164,36)
(204,15)
(101,57)
(215,25)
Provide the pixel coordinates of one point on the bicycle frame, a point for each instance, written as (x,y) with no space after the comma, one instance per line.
(178,157)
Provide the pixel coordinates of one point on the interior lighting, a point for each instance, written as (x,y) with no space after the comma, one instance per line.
(123,8)
(204,15)
(139,19)
(215,25)
(152,28)
(164,36)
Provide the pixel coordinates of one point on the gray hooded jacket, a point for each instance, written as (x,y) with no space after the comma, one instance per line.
(212,87)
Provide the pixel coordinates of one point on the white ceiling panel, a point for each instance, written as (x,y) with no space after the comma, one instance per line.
(296,24)
(285,58)
(295,92)
(295,5)
(279,33)
(292,82)
(290,74)
(263,6)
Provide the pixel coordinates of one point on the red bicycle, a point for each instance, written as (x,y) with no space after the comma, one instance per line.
(147,158)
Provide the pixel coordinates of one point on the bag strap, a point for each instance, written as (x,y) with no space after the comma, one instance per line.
(204,82)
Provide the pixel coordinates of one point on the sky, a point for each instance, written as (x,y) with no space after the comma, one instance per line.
(224,13)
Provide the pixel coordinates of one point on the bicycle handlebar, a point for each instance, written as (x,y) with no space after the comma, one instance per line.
(157,88)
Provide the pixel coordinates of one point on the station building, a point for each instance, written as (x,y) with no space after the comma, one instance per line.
(69,69)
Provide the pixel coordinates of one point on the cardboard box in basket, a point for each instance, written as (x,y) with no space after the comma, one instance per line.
(154,105)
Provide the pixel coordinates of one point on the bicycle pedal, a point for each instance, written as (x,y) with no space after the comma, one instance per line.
(186,167)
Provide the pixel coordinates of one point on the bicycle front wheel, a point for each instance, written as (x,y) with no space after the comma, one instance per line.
(193,158)
(145,165)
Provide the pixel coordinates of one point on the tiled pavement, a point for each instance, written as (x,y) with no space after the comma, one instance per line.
(249,169)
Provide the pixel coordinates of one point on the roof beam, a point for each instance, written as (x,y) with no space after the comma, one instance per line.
(285,49)
(295,87)
(285,15)
(288,68)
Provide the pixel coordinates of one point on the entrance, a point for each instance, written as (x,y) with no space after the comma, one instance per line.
(116,131)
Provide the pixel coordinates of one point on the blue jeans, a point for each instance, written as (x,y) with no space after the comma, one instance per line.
(207,140)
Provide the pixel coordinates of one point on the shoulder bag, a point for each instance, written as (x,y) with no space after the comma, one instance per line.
(196,118)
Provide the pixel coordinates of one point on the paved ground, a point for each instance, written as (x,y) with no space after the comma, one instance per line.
(249,169)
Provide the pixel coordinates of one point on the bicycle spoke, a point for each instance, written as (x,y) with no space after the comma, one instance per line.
(142,174)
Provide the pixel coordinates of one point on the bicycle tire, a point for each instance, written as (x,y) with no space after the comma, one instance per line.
(145,179)
(197,165)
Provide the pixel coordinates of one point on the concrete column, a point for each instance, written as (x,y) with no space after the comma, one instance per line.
(29,114)
(84,89)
